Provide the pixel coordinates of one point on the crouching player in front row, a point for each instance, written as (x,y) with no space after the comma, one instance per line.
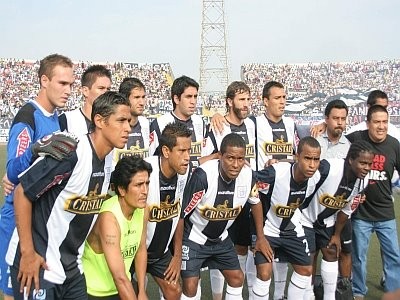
(118,237)
(212,200)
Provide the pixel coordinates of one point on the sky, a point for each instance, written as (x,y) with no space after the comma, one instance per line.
(154,31)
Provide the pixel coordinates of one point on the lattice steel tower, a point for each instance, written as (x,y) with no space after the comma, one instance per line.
(213,53)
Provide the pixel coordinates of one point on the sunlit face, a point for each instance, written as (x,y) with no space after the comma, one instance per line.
(275,104)
(239,106)
(378,126)
(116,127)
(307,162)
(186,104)
(101,85)
(362,164)
(232,162)
(179,156)
(137,98)
(58,88)
(336,122)
(135,195)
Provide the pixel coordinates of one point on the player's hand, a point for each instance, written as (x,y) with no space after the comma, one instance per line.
(317,130)
(263,246)
(8,186)
(217,123)
(335,242)
(173,271)
(28,272)
(58,145)
(271,161)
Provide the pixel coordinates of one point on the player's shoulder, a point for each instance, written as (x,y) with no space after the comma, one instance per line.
(26,115)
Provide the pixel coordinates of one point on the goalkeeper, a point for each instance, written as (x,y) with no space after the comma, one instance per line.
(35,120)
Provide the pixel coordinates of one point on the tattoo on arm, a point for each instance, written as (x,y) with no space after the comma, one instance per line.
(110,239)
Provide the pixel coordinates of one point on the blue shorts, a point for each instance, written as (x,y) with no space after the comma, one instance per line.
(7,226)
(220,256)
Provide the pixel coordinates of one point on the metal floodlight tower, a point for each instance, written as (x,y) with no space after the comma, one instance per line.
(213,52)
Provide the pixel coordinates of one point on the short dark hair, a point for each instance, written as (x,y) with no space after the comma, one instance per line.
(126,168)
(232,140)
(357,148)
(337,103)
(90,75)
(309,141)
(373,109)
(48,64)
(170,134)
(179,85)
(106,104)
(128,84)
(268,86)
(375,95)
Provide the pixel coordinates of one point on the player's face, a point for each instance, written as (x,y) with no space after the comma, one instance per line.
(362,164)
(336,122)
(117,127)
(99,87)
(137,98)
(240,105)
(186,104)
(179,156)
(58,88)
(382,101)
(232,162)
(136,194)
(275,103)
(378,126)
(307,163)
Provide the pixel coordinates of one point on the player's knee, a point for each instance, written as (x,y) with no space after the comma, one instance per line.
(173,291)
(241,250)
(235,279)
(329,254)
(303,270)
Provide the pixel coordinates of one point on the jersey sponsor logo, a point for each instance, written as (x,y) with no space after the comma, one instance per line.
(262,185)
(98,174)
(82,205)
(334,202)
(356,201)
(195,149)
(378,162)
(287,211)
(220,213)
(132,151)
(165,211)
(250,153)
(196,198)
(377,175)
(24,140)
(56,180)
(129,252)
(280,146)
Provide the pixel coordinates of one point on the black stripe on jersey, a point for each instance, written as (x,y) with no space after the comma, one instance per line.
(223,200)
(155,129)
(26,115)
(62,120)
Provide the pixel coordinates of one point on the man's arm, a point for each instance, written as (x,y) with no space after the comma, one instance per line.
(174,268)
(110,238)
(262,244)
(341,219)
(141,261)
(31,261)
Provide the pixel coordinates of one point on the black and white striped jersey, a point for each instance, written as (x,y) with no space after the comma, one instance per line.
(284,196)
(66,198)
(164,201)
(246,130)
(336,191)
(211,205)
(195,124)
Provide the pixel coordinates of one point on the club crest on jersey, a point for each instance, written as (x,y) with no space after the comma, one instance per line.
(280,146)
(89,204)
(196,198)
(334,202)
(287,211)
(195,149)
(220,213)
(165,211)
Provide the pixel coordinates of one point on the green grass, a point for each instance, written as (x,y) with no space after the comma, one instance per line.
(374,260)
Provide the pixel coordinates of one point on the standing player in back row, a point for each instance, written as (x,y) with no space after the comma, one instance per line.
(184,92)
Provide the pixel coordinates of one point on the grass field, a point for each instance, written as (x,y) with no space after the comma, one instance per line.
(374,261)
